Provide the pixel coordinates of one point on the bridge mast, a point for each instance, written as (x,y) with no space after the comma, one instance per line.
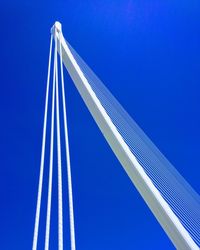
(159,207)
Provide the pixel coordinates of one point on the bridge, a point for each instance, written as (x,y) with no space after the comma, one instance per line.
(171,199)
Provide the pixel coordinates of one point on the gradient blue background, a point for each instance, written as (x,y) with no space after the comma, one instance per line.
(148,54)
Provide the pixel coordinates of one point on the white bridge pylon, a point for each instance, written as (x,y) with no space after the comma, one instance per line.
(145,185)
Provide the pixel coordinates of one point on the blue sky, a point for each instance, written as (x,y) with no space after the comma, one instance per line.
(147,54)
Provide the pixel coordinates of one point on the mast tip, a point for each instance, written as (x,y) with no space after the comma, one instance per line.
(58,26)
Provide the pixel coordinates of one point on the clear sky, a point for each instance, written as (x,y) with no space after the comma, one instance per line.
(147,54)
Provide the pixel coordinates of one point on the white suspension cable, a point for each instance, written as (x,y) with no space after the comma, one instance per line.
(60,206)
(48,218)
(55,97)
(183,201)
(69,178)
(37,216)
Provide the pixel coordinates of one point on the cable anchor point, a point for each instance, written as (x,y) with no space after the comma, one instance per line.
(57,28)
